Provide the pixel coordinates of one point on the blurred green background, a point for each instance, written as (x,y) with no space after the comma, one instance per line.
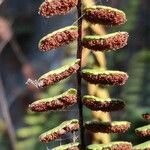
(20,30)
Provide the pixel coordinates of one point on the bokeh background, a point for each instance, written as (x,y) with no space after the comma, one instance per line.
(20,30)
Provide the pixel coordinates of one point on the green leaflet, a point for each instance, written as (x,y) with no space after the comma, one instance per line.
(100,37)
(89,97)
(29,131)
(67,93)
(34,120)
(103,7)
(62,69)
(142,146)
(28,143)
(66,146)
(58,31)
(101,72)
(61,126)
(144,128)
(113,123)
(105,146)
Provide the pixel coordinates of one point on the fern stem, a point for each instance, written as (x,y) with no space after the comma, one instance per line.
(79,78)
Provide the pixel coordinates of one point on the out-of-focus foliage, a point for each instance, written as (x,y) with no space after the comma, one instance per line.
(98,60)
(3,137)
(136,92)
(35,124)
(132,14)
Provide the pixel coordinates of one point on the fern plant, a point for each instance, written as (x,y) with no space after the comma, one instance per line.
(99,61)
(111,42)
(143,132)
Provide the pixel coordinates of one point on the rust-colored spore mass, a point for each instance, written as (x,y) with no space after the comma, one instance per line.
(117,79)
(105,17)
(143,133)
(107,128)
(60,103)
(106,106)
(56,135)
(122,146)
(56,7)
(58,39)
(146,116)
(111,43)
(54,78)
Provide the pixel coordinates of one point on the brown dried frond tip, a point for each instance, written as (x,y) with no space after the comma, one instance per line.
(106,105)
(108,127)
(106,77)
(104,15)
(57,75)
(58,38)
(62,129)
(62,101)
(56,7)
(146,116)
(113,41)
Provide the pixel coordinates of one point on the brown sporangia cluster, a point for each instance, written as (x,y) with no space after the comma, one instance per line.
(51,41)
(56,7)
(111,42)
(104,15)
(95,14)
(57,104)
(143,133)
(53,78)
(146,116)
(57,133)
(106,79)
(122,146)
(58,38)
(104,105)
(107,127)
